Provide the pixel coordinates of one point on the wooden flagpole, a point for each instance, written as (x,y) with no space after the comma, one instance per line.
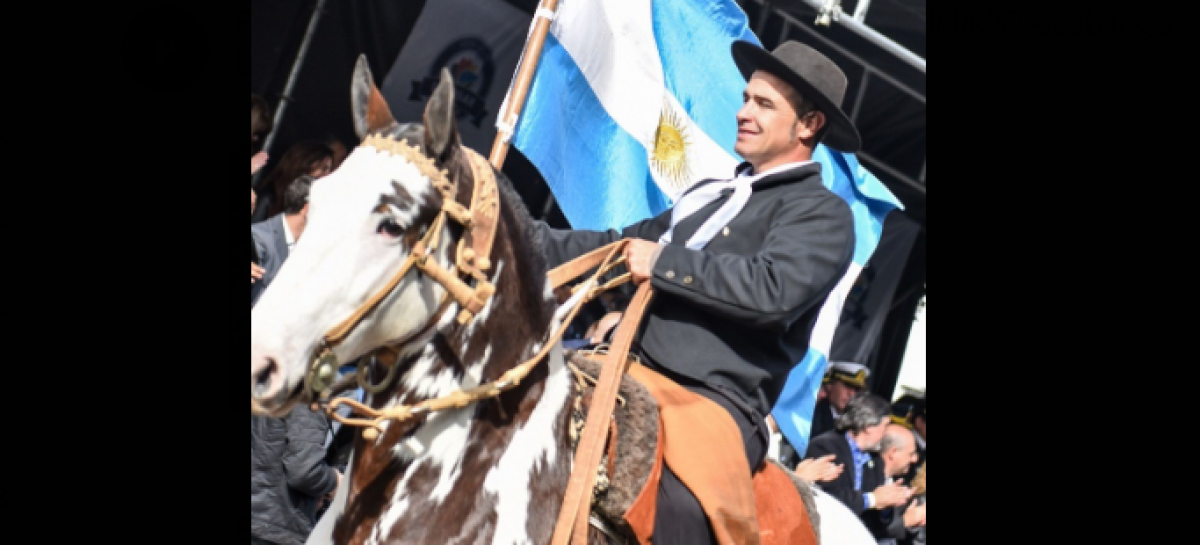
(520,91)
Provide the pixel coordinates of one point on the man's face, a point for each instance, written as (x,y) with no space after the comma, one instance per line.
(840,394)
(900,458)
(766,122)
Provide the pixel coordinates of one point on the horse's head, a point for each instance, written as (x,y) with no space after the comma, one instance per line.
(365,220)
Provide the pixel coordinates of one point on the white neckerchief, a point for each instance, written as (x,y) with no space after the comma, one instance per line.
(742,186)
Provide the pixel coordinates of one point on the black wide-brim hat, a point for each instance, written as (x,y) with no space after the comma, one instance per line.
(815,76)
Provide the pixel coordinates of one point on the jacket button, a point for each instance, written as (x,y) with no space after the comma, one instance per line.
(687,280)
(670,275)
(725,232)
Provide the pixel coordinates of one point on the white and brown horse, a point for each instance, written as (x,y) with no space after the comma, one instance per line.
(494,472)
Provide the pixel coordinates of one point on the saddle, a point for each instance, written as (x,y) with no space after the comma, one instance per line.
(649,429)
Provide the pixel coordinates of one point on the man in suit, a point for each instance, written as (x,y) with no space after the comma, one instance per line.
(742,267)
(864,485)
(273,239)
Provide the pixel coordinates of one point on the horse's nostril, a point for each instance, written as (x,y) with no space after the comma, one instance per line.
(263,380)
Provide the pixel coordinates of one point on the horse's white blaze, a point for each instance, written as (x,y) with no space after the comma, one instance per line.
(339,263)
(534,445)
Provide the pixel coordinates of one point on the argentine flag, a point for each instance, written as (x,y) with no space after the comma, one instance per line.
(634,102)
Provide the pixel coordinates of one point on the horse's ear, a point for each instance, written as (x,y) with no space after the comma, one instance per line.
(441,126)
(371,112)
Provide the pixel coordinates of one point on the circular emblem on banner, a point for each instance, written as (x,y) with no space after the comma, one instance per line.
(471,64)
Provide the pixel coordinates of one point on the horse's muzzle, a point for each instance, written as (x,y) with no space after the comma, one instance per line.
(268,387)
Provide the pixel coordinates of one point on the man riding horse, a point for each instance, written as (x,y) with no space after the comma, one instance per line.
(742,267)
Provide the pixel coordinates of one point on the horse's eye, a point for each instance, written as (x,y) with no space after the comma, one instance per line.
(389,228)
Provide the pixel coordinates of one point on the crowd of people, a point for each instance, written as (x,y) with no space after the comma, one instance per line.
(727,330)
(878,450)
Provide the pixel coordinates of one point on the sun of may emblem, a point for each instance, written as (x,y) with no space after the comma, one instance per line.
(670,156)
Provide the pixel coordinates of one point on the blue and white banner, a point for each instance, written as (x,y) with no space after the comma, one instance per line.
(634,102)
(480,42)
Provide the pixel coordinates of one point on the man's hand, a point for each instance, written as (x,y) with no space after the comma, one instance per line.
(640,257)
(256,272)
(892,495)
(820,470)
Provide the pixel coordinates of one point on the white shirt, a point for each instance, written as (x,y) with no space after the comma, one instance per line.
(288,237)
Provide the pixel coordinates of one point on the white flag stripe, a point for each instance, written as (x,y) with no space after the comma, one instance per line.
(831,314)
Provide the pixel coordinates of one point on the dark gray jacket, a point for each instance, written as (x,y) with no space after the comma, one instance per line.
(739,314)
(271,244)
(288,475)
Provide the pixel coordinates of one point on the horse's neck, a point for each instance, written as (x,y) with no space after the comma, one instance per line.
(491,459)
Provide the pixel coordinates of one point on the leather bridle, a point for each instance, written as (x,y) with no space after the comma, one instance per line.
(467,285)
